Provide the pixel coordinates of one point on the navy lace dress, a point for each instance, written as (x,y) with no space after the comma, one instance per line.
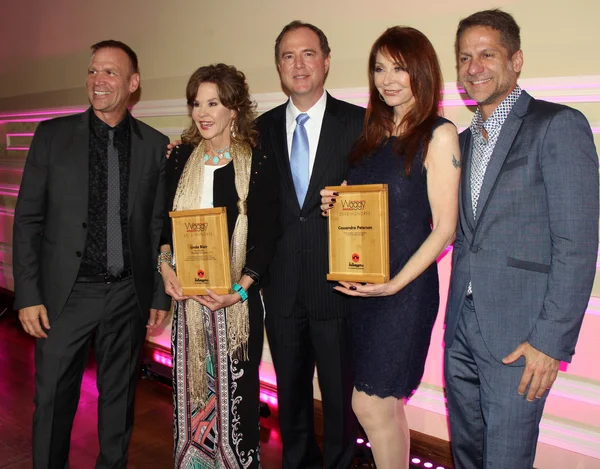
(391,334)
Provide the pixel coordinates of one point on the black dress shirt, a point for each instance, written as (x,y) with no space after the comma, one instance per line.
(94,256)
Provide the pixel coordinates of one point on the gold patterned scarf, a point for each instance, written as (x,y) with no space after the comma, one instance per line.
(188,197)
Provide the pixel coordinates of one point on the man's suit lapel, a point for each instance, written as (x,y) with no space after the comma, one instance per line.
(466,205)
(138,159)
(509,131)
(79,153)
(280,149)
(330,127)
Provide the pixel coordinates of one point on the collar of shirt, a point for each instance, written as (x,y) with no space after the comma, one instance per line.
(494,123)
(101,128)
(313,125)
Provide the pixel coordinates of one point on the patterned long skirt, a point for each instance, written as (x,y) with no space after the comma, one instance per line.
(224,434)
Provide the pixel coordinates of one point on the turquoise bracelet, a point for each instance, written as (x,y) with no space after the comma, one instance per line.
(240,290)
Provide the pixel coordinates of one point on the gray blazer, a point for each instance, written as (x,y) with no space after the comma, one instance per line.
(52,209)
(531,254)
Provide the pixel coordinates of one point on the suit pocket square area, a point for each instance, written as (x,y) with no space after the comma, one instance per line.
(514,164)
(527,265)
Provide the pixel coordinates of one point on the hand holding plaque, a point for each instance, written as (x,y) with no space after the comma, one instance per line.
(359,234)
(201,245)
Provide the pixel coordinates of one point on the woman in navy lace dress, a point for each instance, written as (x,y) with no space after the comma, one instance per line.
(407,145)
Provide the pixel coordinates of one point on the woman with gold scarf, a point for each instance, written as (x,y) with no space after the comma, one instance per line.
(217,339)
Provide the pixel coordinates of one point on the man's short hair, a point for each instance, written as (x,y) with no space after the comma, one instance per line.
(112,44)
(294,25)
(498,20)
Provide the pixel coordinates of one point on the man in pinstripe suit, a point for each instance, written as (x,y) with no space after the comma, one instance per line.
(305,319)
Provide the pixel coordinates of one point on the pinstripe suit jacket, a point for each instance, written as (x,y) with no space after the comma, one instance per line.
(531,253)
(299,268)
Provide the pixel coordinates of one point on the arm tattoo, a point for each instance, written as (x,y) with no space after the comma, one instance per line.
(455,162)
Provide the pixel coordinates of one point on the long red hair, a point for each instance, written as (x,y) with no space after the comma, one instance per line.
(412,50)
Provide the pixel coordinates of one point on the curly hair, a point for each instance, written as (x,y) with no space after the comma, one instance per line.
(233,94)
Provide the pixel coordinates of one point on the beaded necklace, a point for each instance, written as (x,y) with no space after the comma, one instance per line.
(220,154)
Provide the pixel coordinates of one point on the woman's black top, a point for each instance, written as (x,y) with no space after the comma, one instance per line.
(262,206)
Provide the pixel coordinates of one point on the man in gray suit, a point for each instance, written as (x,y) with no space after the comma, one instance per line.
(525,252)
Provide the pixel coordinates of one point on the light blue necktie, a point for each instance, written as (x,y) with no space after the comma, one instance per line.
(299,158)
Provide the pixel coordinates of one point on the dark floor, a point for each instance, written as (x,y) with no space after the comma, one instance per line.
(151,445)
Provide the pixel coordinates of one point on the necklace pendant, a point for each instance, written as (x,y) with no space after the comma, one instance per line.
(215,159)
(227,155)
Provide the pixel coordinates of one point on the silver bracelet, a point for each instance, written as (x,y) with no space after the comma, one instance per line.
(164,256)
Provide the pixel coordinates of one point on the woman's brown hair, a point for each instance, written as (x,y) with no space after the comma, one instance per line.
(412,50)
(233,94)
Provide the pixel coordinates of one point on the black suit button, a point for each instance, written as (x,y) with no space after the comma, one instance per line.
(84,225)
(297,251)
(474,249)
(78,253)
(302,218)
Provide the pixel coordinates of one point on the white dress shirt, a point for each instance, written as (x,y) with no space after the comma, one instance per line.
(312,125)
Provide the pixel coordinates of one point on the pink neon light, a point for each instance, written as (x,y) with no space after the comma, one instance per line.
(578,86)
(573,99)
(415,461)
(458,102)
(165,359)
(42,113)
(553,86)
(36,119)
(268,397)
(360,441)
(17,148)
(162,358)
(27,134)
(368,444)
(553,99)
(268,378)
(7,211)
(428,465)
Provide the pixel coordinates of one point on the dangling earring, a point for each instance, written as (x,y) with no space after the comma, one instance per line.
(381,97)
(232,129)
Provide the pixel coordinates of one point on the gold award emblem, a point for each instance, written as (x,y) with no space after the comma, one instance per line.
(359,234)
(201,244)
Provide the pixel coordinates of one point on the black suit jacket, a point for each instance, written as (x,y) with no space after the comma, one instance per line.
(262,206)
(300,264)
(52,209)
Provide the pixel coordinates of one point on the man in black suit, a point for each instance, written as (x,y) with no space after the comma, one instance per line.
(86,236)
(310,137)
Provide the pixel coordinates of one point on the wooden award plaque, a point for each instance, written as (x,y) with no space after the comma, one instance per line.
(359,234)
(201,245)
